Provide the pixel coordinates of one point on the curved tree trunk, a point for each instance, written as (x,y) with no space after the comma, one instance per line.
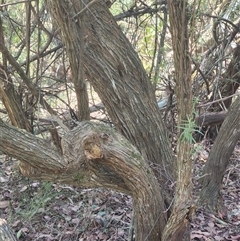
(93,155)
(6,234)
(219,157)
(117,75)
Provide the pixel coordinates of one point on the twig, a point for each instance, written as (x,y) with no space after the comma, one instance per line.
(202,74)
(217,219)
(219,100)
(84,9)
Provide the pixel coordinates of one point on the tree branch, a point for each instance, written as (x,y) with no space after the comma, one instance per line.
(93,156)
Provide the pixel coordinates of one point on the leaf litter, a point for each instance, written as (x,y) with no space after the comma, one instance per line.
(48,212)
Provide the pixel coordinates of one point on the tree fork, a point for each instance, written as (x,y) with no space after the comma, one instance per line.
(93,155)
(117,75)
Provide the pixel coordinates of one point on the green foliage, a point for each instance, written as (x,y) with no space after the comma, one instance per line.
(121,6)
(188,127)
(39,200)
(79,177)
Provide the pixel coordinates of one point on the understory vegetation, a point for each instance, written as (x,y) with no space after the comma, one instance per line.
(119,120)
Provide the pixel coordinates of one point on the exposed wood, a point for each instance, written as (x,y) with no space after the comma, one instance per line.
(114,70)
(93,156)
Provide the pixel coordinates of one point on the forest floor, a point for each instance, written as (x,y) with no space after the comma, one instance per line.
(45,211)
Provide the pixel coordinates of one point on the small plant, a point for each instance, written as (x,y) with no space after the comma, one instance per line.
(188,128)
(38,201)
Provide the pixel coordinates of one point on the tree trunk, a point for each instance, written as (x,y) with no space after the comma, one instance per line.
(117,75)
(218,160)
(178,223)
(12,103)
(6,234)
(73,37)
(210,118)
(8,94)
(93,156)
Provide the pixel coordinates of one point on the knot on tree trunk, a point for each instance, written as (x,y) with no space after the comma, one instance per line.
(92,147)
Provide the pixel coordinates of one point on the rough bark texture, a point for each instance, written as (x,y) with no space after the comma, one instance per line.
(8,94)
(35,92)
(12,103)
(72,35)
(6,234)
(93,156)
(218,160)
(210,118)
(117,75)
(178,222)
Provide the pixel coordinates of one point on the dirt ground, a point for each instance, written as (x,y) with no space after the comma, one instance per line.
(45,211)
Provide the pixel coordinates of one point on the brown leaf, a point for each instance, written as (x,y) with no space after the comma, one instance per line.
(235,237)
